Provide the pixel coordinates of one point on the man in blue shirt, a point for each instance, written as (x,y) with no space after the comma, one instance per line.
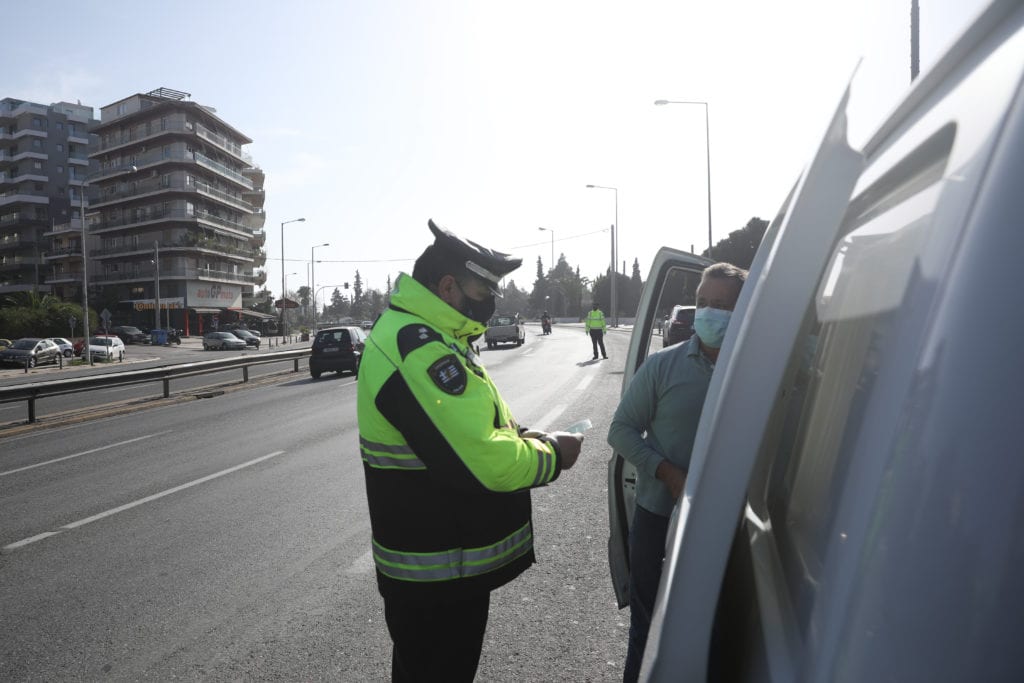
(654,428)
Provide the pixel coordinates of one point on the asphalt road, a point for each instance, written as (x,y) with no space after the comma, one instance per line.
(228,539)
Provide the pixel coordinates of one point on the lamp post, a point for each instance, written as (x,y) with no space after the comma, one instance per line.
(615,254)
(284,297)
(283,290)
(312,277)
(552,246)
(707,143)
(85,270)
(156,284)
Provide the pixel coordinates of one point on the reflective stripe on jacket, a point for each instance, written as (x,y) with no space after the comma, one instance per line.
(447,472)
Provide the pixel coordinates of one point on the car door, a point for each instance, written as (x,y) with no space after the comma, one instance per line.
(672,280)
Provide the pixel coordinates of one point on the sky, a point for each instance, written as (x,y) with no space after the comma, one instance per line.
(370,117)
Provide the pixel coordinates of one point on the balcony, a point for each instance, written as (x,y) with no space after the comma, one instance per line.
(257,220)
(16,262)
(148,274)
(72,226)
(71,277)
(259,258)
(259,238)
(220,141)
(225,171)
(172,215)
(63,253)
(15,197)
(150,186)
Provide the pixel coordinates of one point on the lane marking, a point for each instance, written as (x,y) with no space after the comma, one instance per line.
(528,351)
(140,501)
(362,564)
(585,382)
(91,450)
(549,417)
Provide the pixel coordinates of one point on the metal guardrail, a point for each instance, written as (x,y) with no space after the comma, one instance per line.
(31,392)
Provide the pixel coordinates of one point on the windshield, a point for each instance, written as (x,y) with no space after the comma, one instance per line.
(99,341)
(25,344)
(503,320)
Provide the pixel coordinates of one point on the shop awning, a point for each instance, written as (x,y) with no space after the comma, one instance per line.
(254,314)
(205,310)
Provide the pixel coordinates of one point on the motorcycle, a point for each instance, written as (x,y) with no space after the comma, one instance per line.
(173,337)
(545,325)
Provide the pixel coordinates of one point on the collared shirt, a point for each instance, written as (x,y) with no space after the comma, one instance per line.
(658,416)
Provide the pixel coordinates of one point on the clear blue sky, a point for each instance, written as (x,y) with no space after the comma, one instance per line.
(370,117)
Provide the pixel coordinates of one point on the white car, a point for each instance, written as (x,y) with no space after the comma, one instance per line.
(106,347)
(853,507)
(67,349)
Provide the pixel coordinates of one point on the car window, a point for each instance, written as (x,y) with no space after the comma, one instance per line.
(678,289)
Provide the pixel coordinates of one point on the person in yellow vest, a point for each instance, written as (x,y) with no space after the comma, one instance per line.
(448,469)
(595,327)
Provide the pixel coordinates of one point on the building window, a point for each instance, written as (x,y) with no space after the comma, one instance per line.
(60,146)
(37,122)
(122,109)
(37,143)
(60,126)
(37,165)
(60,170)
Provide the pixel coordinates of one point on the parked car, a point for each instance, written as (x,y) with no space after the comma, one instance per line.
(336,349)
(222,341)
(67,348)
(105,347)
(852,508)
(505,329)
(679,326)
(248,337)
(30,350)
(130,335)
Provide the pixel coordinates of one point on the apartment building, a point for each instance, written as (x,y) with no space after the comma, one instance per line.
(175,214)
(43,165)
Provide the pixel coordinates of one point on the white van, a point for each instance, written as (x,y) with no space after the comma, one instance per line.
(855,505)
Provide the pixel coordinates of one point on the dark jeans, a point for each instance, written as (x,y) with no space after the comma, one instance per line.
(646,554)
(597,338)
(436,643)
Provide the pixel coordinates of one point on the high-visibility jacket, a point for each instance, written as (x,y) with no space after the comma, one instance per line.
(595,321)
(447,472)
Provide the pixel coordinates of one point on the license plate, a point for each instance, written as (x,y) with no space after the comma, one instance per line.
(330,349)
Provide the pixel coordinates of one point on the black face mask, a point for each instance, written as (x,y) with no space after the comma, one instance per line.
(480,311)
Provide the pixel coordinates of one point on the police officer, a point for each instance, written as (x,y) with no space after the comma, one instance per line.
(448,469)
(595,327)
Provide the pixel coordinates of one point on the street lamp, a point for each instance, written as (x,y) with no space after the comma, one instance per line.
(707,142)
(284,297)
(294,220)
(552,246)
(156,284)
(312,277)
(615,253)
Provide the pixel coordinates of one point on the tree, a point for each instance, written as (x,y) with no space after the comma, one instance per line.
(741,245)
(513,300)
(30,314)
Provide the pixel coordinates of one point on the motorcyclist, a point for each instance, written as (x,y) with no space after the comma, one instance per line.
(545,323)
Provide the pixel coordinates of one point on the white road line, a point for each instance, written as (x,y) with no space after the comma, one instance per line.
(362,564)
(140,501)
(548,418)
(91,450)
(585,382)
(528,351)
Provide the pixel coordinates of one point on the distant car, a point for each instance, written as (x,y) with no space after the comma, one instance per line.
(130,334)
(505,329)
(66,347)
(30,350)
(256,332)
(336,349)
(222,341)
(105,347)
(248,337)
(679,326)
(367,324)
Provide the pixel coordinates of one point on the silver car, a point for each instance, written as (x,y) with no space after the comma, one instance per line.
(222,341)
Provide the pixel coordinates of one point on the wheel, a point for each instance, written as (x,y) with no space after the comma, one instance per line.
(206,346)
(32,362)
(120,357)
(68,353)
(315,374)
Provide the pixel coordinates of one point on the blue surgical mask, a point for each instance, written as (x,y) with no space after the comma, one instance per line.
(710,325)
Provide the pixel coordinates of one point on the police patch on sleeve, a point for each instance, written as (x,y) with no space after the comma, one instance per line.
(448,374)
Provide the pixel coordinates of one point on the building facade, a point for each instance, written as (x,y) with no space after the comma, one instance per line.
(175,214)
(43,165)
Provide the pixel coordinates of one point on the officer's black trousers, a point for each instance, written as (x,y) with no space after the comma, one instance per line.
(596,338)
(436,643)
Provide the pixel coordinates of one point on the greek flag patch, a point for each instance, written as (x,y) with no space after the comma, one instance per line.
(448,374)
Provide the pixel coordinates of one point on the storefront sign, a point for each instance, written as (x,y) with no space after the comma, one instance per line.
(213,295)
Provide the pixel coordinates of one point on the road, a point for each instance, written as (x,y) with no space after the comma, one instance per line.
(228,539)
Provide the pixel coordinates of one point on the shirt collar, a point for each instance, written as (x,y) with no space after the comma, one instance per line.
(411,296)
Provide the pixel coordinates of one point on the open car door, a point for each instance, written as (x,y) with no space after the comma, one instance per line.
(673,280)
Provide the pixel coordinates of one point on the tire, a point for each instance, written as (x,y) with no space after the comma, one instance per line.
(68,353)
(120,357)
(315,374)
(205,347)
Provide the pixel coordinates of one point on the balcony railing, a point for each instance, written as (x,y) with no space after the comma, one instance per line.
(58,278)
(170,214)
(189,242)
(151,186)
(148,274)
(219,140)
(63,252)
(209,163)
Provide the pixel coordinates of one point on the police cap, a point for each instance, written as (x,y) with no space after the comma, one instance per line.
(486,264)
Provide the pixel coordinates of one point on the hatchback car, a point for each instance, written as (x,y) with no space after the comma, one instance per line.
(105,347)
(67,348)
(336,349)
(222,341)
(30,350)
(679,326)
